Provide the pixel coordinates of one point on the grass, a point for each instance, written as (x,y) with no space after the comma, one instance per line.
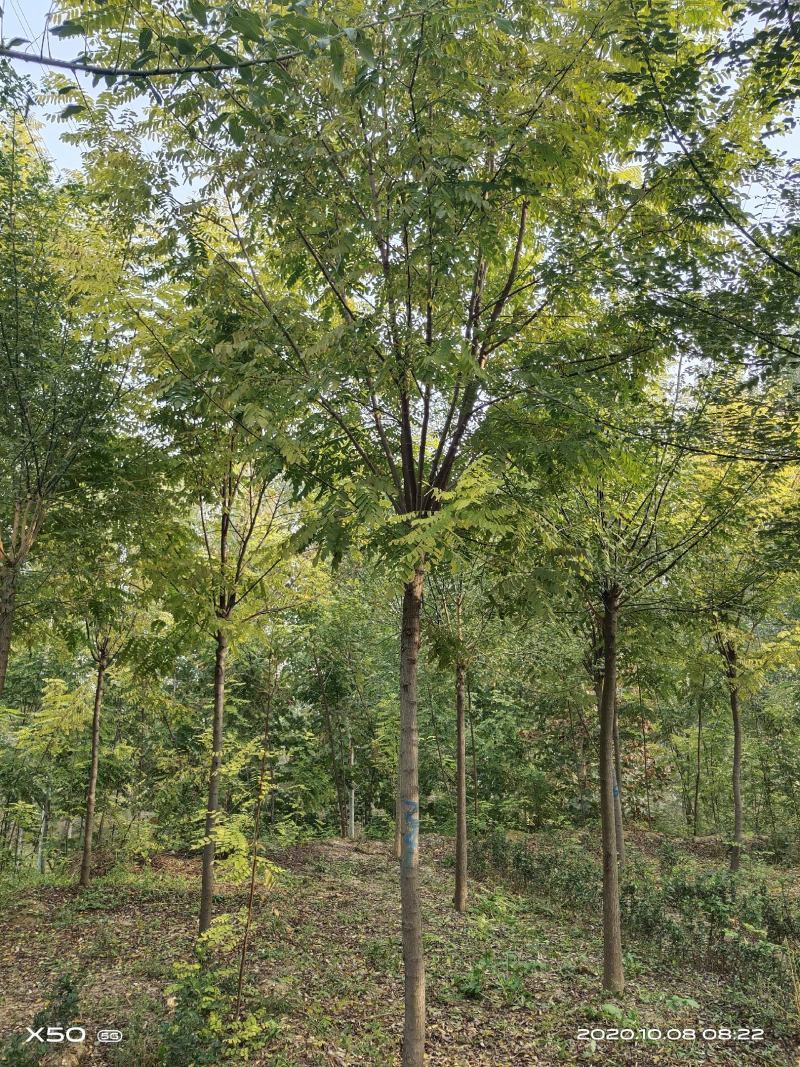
(510,983)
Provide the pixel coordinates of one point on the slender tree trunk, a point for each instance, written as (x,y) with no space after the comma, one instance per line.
(8,603)
(336,771)
(448,788)
(619,829)
(613,976)
(736,769)
(41,854)
(91,796)
(461,835)
(209,846)
(697,761)
(351,792)
(474,754)
(413,959)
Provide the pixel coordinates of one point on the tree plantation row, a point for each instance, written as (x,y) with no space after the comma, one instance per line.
(399,437)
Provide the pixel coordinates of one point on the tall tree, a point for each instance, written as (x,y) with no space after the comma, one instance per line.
(63,378)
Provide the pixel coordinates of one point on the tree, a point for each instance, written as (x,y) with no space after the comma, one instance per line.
(461,606)
(404,242)
(58,340)
(735,588)
(236,541)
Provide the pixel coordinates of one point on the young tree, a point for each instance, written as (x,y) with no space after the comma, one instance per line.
(236,541)
(460,609)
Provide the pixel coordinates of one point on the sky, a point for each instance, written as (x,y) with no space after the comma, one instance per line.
(28,18)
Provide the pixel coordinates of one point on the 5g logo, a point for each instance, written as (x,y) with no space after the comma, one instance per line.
(56,1034)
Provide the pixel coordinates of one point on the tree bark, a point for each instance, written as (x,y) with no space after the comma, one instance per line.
(88,823)
(414,963)
(209,846)
(351,791)
(474,754)
(619,830)
(8,603)
(613,975)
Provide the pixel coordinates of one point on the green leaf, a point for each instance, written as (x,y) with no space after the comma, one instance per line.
(199,10)
(337,62)
(68,29)
(364,47)
(235,130)
(246,23)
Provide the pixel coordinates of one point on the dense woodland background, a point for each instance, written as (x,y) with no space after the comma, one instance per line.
(399,472)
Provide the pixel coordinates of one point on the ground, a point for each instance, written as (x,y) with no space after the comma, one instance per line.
(511,983)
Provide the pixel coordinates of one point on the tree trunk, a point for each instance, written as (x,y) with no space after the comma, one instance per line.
(41,855)
(336,772)
(619,831)
(414,963)
(697,768)
(209,846)
(474,754)
(351,792)
(88,823)
(736,770)
(460,898)
(613,976)
(8,603)
(442,769)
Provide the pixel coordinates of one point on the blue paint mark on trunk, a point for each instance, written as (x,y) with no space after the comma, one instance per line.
(410,831)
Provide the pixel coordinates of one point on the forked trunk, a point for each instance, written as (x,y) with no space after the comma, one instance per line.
(209,846)
(414,964)
(8,603)
(613,976)
(460,898)
(88,824)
